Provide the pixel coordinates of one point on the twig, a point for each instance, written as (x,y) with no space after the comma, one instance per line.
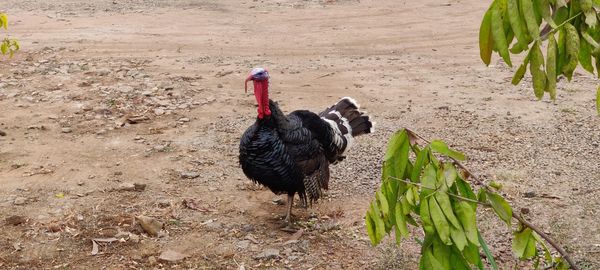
(558,248)
(545,36)
(326,75)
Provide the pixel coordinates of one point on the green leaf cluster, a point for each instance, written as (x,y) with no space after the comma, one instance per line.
(7,46)
(422,186)
(517,26)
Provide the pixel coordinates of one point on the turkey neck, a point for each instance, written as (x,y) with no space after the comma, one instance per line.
(277,119)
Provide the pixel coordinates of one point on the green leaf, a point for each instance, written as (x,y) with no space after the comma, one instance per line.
(551,66)
(385,208)
(428,226)
(585,5)
(471,253)
(499,35)
(441,252)
(464,189)
(520,242)
(457,260)
(487,252)
(468,220)
(544,9)
(516,23)
(439,221)
(442,148)
(482,196)
(443,201)
(536,70)
(531,250)
(371,228)
(530,20)
(572,50)
(458,237)
(422,159)
(500,206)
(486,42)
(4,20)
(598,100)
(401,221)
(428,181)
(3,48)
(429,262)
(585,56)
(450,174)
(520,71)
(379,223)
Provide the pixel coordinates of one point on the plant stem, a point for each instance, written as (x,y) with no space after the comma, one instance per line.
(550,241)
(545,36)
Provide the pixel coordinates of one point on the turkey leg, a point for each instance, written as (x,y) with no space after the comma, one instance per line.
(288,216)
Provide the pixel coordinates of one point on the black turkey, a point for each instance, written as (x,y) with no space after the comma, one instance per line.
(291,154)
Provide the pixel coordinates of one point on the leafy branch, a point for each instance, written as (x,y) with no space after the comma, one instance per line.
(517,23)
(7,45)
(431,191)
(523,221)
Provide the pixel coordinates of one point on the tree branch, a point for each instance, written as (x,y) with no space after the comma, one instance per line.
(470,175)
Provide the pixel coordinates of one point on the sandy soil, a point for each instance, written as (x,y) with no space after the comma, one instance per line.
(107,94)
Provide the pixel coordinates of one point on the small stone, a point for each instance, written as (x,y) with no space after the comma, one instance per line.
(159,111)
(164,203)
(139,187)
(16,220)
(147,93)
(529,194)
(127,187)
(243,244)
(184,120)
(125,89)
(190,175)
(150,225)
(66,130)
(20,201)
(101,132)
(171,256)
(152,260)
(268,253)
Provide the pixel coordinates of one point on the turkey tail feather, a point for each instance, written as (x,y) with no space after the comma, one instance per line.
(347,121)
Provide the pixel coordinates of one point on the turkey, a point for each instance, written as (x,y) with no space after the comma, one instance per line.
(291,154)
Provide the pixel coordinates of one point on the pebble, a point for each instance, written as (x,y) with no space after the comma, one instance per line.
(66,130)
(20,201)
(164,203)
(150,225)
(243,244)
(171,256)
(152,260)
(269,253)
(190,175)
(159,111)
(184,119)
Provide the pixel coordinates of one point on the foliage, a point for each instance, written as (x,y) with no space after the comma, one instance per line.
(7,46)
(425,186)
(516,24)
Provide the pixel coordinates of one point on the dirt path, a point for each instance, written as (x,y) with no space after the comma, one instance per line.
(106,94)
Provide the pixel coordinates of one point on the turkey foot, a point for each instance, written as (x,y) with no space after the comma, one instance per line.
(288,216)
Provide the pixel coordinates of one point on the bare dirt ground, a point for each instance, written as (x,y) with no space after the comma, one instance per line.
(108,94)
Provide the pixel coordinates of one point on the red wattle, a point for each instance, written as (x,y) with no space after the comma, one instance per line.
(265,98)
(258,93)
